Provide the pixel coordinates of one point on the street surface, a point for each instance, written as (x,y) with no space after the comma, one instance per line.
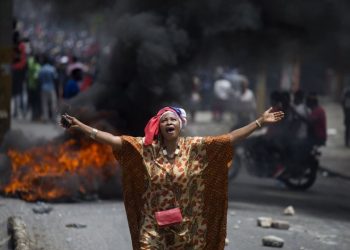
(322,219)
(321,222)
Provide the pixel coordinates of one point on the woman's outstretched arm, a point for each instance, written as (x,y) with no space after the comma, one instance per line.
(267,117)
(70,122)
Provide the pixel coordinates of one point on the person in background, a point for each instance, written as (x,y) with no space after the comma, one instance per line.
(195,97)
(175,188)
(33,86)
(72,88)
(317,124)
(346,110)
(19,68)
(247,104)
(62,74)
(300,115)
(75,64)
(47,79)
(222,94)
(275,101)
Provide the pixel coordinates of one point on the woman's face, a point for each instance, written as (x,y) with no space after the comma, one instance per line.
(169,126)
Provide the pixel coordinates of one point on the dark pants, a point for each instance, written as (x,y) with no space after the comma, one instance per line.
(347,134)
(347,126)
(18,77)
(34,101)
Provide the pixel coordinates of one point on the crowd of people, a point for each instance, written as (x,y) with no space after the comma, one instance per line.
(224,91)
(229,91)
(305,117)
(303,128)
(43,78)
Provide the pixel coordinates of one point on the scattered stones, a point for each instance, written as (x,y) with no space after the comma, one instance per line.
(75,225)
(227,241)
(264,222)
(42,208)
(280,224)
(289,211)
(18,230)
(272,241)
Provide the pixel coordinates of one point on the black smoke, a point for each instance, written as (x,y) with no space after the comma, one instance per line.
(159,43)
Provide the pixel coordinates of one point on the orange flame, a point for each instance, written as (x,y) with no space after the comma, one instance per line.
(56,171)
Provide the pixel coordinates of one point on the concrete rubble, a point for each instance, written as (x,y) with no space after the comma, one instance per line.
(272,241)
(289,211)
(264,222)
(280,224)
(19,234)
(76,225)
(267,222)
(42,208)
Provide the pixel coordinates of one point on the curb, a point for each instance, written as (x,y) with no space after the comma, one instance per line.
(19,234)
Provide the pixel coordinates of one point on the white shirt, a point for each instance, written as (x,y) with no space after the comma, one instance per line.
(222,89)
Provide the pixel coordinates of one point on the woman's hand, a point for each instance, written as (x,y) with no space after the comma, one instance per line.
(68,122)
(271,117)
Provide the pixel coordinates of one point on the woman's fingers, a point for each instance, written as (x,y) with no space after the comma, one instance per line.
(66,121)
(269,110)
(278,115)
(68,116)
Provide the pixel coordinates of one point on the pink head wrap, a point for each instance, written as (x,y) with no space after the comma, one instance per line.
(152,127)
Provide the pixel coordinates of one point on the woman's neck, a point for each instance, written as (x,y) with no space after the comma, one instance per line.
(170,146)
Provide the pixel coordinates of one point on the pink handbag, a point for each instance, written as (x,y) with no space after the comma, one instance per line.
(168,217)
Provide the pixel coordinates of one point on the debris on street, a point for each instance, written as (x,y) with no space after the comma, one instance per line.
(272,241)
(18,230)
(280,224)
(75,225)
(289,211)
(264,222)
(42,208)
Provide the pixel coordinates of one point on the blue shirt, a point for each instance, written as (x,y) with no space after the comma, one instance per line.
(47,76)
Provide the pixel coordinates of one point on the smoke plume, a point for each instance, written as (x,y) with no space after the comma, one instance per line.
(159,44)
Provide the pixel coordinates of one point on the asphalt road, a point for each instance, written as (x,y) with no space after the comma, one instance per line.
(322,219)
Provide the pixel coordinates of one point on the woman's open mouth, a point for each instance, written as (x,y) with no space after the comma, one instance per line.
(170,130)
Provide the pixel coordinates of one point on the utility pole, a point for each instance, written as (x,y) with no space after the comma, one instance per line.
(5,65)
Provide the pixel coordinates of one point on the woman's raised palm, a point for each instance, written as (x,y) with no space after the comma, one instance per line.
(272,117)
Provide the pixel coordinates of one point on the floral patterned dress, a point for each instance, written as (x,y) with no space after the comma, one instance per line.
(195,180)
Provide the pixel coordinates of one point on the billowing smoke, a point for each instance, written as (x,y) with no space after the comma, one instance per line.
(159,44)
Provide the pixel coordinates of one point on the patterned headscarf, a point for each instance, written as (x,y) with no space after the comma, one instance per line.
(152,127)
